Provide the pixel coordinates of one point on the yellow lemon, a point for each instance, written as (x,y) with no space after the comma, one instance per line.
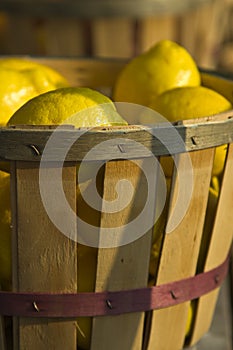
(87,259)
(223,86)
(209,221)
(190,319)
(190,102)
(193,102)
(21,80)
(71,104)
(155,253)
(158,235)
(5,231)
(164,66)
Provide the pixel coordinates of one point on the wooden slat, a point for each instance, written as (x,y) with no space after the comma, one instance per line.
(188,28)
(56,28)
(124,266)
(113,37)
(90,72)
(219,246)
(64,37)
(154,29)
(20,36)
(44,259)
(2,334)
(196,135)
(181,248)
(200,39)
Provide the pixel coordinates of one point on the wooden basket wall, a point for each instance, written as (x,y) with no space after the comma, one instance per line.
(112,28)
(44,260)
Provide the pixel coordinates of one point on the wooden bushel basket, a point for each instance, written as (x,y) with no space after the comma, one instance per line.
(46,304)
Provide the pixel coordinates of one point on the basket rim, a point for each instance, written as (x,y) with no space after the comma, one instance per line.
(128,142)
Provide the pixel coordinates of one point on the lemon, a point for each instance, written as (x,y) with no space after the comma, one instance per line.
(158,235)
(164,66)
(57,106)
(220,84)
(209,221)
(5,231)
(190,319)
(193,102)
(219,160)
(87,260)
(21,80)
(190,102)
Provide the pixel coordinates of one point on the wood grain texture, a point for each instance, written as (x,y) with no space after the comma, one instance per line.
(44,259)
(155,28)
(181,247)
(123,267)
(193,27)
(219,246)
(92,72)
(163,139)
(62,36)
(107,38)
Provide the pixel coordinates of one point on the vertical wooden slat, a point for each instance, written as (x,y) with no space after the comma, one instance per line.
(2,334)
(44,259)
(201,32)
(153,29)
(188,29)
(113,37)
(219,246)
(123,267)
(180,251)
(64,36)
(20,36)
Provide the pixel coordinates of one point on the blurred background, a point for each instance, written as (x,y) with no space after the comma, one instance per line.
(120,28)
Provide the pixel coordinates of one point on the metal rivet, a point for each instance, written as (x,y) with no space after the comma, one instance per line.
(193,139)
(216,279)
(121,148)
(35,306)
(109,304)
(35,149)
(173,295)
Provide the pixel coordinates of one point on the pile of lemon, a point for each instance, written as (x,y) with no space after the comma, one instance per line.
(165,79)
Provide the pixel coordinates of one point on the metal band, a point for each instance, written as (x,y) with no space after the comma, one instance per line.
(111,303)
